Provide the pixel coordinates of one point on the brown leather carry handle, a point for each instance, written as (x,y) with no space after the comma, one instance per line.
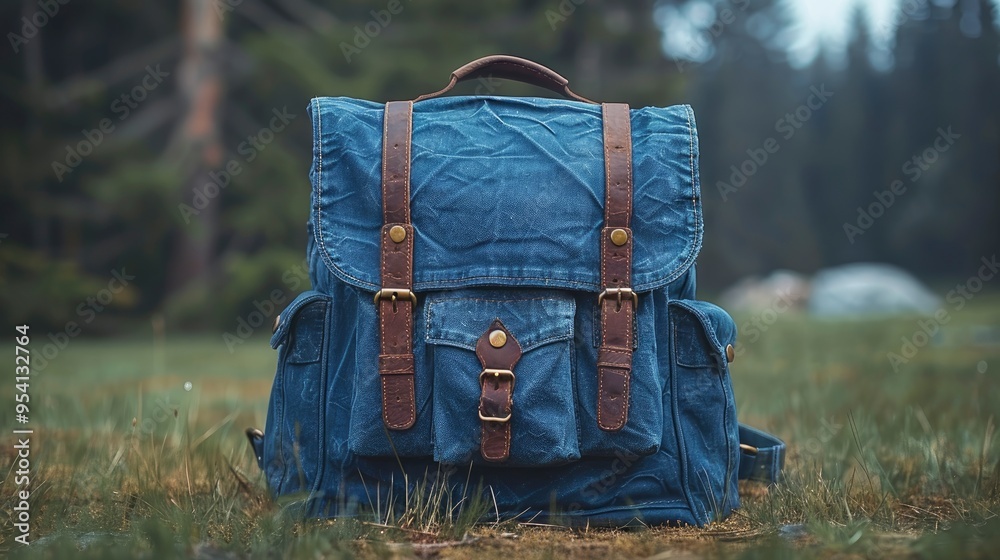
(510,68)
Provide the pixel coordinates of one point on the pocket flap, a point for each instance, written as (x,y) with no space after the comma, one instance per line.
(287,317)
(699,325)
(534,319)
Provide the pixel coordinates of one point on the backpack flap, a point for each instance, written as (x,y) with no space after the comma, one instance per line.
(504,192)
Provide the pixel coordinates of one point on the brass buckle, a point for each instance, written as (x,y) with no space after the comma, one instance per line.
(503,420)
(618,292)
(497,373)
(395,293)
(748,448)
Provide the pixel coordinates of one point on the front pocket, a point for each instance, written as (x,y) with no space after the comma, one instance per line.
(706,411)
(542,420)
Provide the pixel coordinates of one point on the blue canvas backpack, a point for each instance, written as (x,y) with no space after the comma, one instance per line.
(503,288)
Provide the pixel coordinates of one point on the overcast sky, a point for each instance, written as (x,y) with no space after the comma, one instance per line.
(815,23)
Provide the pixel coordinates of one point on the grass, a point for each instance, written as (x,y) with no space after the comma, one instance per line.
(882,463)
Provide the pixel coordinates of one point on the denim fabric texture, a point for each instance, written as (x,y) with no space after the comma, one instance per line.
(507,202)
(504,192)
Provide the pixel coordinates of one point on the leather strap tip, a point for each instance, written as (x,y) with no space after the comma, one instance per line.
(611,427)
(402,426)
(399,411)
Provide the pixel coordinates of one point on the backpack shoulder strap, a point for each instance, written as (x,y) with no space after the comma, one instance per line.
(396,300)
(617,300)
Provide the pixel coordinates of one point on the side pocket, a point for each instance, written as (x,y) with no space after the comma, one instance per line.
(705,418)
(294,441)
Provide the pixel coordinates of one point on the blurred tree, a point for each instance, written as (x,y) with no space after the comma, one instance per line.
(202,167)
(196,188)
(947,76)
(887,108)
(170,140)
(745,98)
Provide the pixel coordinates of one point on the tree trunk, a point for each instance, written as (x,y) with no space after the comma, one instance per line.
(200,86)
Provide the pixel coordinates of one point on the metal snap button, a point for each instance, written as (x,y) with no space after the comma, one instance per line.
(498,338)
(619,237)
(397,233)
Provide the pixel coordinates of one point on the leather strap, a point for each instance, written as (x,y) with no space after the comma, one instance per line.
(614,359)
(497,381)
(395,302)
